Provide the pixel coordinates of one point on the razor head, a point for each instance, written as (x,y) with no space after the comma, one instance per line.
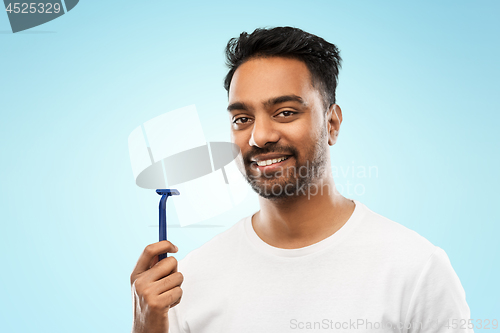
(169,191)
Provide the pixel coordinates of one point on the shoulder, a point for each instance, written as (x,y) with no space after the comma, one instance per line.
(391,239)
(438,294)
(405,255)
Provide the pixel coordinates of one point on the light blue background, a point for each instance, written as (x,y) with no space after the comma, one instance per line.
(419,93)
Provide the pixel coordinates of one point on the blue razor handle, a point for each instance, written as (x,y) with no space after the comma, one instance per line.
(163,215)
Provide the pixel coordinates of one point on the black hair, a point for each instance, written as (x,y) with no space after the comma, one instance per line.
(321,57)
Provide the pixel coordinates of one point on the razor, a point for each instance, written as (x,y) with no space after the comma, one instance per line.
(163,215)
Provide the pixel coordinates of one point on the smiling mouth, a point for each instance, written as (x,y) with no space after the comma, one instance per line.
(271,161)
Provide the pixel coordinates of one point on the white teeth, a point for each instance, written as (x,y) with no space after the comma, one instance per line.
(272,161)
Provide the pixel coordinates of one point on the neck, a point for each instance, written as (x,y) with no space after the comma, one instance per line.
(302,220)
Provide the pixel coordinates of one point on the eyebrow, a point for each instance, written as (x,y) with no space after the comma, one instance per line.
(283,99)
(270,102)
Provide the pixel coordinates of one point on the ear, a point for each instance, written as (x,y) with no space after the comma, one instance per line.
(334,119)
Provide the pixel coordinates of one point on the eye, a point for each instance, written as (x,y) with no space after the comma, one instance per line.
(241,120)
(286,114)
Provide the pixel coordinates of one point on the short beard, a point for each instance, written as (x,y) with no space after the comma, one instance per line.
(297,183)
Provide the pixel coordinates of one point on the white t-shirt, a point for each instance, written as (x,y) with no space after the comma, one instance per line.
(372,275)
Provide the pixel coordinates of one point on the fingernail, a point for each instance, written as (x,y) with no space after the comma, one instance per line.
(176,248)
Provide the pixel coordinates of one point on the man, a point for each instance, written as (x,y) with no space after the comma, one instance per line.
(309,259)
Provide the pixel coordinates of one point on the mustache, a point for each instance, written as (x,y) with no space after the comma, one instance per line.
(286,150)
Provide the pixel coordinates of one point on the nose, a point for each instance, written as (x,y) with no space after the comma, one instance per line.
(263,132)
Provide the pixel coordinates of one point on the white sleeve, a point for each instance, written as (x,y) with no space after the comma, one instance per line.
(438,301)
(173,321)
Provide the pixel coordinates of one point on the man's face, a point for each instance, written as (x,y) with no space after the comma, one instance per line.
(278,117)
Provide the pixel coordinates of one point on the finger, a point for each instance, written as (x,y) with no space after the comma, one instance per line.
(154,261)
(171,297)
(161,269)
(178,301)
(150,252)
(167,283)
